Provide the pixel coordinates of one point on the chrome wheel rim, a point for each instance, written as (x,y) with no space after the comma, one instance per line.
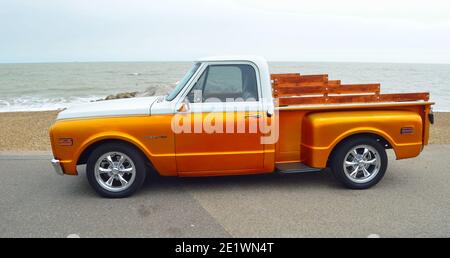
(362,164)
(115,171)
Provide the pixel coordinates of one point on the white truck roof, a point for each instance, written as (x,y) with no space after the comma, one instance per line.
(258,60)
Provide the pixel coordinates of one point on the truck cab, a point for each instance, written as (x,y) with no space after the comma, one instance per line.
(230,116)
(235,92)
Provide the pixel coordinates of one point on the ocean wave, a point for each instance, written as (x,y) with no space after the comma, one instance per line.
(35,103)
(43,103)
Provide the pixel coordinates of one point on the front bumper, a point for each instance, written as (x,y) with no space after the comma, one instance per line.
(57,167)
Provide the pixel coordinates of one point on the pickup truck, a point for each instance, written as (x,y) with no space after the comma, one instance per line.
(230,116)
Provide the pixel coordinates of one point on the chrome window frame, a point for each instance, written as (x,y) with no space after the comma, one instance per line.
(212,106)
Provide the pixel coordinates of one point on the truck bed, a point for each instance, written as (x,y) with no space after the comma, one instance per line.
(295,89)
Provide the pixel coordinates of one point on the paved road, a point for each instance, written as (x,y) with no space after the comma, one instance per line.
(413,200)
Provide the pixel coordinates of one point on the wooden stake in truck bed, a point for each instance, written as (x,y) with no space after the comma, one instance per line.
(230,116)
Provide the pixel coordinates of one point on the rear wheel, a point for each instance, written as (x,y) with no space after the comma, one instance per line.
(116,170)
(359,163)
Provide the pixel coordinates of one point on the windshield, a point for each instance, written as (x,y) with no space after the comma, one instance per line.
(182,82)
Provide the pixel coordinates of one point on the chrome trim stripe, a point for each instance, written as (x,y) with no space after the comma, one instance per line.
(99,117)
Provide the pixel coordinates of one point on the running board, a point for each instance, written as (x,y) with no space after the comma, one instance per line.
(295,167)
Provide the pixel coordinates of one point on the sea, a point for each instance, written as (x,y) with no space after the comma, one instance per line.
(50,86)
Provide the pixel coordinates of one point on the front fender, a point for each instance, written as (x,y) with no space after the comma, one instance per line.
(111,135)
(136,130)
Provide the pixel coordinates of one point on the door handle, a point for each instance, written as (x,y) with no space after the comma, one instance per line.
(253,116)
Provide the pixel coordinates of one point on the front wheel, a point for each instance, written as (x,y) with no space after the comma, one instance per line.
(116,170)
(359,163)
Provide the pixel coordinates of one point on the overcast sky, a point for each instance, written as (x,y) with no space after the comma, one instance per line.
(280,30)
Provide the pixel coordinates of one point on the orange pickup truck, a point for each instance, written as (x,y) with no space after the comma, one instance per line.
(230,116)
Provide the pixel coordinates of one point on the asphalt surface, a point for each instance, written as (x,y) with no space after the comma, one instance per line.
(413,200)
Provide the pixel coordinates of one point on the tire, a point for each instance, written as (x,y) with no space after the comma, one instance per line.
(361,169)
(113,164)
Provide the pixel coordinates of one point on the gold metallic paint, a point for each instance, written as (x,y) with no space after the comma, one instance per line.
(305,135)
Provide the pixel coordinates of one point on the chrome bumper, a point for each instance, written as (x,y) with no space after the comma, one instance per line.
(57,166)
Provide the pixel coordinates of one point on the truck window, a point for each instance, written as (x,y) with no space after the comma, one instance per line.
(221,83)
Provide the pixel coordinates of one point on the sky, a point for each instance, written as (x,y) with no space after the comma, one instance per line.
(413,31)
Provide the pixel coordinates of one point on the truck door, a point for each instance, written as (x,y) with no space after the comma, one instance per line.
(222,109)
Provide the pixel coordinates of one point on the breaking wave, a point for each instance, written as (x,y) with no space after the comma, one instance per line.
(34,103)
(43,103)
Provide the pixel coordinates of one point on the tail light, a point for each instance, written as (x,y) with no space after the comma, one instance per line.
(406,130)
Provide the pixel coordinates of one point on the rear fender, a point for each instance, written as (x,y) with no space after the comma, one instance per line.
(322,132)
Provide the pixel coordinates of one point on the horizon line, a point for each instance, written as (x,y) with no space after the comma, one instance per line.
(193,60)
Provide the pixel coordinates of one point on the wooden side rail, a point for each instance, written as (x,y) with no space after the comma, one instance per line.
(283,75)
(296,89)
(339,99)
(296,78)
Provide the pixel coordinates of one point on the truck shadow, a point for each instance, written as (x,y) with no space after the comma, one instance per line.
(321,179)
(174,185)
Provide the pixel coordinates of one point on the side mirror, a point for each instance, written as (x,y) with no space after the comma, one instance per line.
(182,107)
